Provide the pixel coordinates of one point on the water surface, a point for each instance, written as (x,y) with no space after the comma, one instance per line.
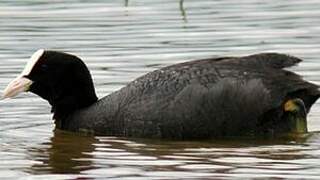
(121,40)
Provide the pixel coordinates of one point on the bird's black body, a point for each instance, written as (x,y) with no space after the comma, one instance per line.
(217,97)
(231,96)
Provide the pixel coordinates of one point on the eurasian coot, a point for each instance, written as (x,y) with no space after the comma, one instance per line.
(216,97)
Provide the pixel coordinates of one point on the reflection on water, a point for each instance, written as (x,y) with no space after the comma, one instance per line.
(122,39)
(61,153)
(94,157)
(183,11)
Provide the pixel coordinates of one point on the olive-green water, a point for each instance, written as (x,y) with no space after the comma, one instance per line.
(121,40)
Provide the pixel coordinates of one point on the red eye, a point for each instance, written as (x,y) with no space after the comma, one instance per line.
(44,66)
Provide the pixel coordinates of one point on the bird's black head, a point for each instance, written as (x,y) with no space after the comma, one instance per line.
(60,78)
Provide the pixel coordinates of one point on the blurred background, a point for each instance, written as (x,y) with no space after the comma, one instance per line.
(120,40)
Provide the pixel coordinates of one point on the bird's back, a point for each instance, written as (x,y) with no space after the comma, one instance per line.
(203,98)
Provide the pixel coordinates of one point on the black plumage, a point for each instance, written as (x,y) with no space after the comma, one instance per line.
(217,97)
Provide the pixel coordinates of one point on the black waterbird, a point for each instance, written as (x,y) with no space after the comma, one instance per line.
(216,97)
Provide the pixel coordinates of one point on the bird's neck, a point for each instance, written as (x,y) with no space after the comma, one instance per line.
(66,105)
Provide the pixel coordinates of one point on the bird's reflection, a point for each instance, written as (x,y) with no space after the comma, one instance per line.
(70,153)
(64,153)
